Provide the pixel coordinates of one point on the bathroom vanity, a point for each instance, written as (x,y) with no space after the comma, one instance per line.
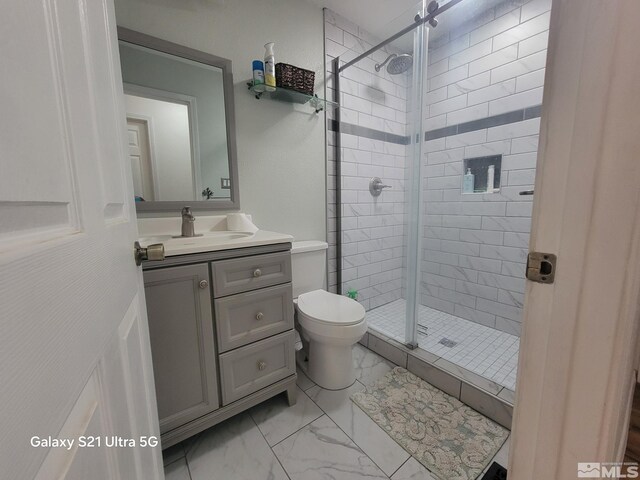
(220,304)
(221,326)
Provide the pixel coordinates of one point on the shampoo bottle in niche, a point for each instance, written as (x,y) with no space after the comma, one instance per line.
(269,67)
(467,184)
(491,174)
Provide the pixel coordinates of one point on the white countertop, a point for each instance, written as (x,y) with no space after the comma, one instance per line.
(212,231)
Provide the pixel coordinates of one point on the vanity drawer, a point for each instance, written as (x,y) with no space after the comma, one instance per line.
(250,273)
(246,317)
(248,369)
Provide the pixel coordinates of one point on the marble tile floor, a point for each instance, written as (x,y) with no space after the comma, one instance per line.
(482,350)
(324,436)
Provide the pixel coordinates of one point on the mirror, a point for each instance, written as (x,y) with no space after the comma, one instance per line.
(180,125)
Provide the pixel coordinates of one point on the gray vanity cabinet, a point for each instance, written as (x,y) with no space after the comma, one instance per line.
(222,337)
(182,343)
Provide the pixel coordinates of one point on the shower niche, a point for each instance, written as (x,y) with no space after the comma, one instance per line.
(482,174)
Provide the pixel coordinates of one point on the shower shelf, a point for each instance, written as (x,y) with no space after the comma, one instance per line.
(291,96)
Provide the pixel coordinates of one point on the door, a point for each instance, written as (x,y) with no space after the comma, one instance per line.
(184,351)
(74,348)
(140,158)
(579,344)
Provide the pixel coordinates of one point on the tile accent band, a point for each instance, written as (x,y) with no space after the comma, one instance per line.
(480,124)
(488,122)
(365,132)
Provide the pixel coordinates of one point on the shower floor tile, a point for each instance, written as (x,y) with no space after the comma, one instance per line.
(483,350)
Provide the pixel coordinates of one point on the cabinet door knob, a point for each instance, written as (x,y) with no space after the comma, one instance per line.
(259,316)
(262,365)
(257,273)
(204,284)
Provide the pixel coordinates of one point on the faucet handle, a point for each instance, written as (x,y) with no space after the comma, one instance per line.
(186,212)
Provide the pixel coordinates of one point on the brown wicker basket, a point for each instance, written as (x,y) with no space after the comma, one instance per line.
(295,78)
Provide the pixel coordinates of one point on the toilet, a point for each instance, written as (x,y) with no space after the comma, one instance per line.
(330,324)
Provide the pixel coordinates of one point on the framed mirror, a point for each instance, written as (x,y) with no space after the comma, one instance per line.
(180,125)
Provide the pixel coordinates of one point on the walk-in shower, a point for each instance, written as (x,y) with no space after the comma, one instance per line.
(438,259)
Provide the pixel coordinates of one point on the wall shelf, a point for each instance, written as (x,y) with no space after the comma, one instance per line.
(282,94)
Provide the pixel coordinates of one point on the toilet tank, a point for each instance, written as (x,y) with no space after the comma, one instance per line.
(308,266)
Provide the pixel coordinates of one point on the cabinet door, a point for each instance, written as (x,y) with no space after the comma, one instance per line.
(182,344)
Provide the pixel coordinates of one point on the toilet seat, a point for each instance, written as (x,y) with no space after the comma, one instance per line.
(330,309)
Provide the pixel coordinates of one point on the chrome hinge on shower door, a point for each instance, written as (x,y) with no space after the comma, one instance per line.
(541,267)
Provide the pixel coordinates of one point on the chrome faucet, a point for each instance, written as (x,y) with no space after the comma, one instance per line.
(188,221)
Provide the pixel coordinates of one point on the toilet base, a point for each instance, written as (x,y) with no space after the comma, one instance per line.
(331,366)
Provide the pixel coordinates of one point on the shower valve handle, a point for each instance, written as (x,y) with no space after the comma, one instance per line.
(376,186)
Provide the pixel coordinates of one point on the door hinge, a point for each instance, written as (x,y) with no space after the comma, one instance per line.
(541,267)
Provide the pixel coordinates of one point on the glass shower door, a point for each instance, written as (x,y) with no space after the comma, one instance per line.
(413,180)
(378,158)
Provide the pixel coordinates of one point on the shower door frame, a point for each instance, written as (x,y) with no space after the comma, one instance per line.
(414,233)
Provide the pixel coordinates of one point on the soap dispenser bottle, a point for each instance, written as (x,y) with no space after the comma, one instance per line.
(491,175)
(467,184)
(269,67)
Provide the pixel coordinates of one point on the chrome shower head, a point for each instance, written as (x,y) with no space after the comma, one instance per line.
(397,63)
(400,64)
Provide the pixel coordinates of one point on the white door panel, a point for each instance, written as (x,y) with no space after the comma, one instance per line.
(73,321)
(578,349)
(85,423)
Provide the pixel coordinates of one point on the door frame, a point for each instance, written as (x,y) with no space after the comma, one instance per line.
(579,345)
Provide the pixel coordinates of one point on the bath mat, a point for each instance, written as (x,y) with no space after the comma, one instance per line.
(495,472)
(450,439)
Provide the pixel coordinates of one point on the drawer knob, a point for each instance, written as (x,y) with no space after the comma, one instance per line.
(257,273)
(259,316)
(262,365)
(204,284)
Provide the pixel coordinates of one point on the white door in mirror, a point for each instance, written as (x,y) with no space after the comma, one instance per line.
(140,157)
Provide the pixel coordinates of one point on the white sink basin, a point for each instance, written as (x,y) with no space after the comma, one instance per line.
(212,240)
(203,238)
(208,238)
(150,240)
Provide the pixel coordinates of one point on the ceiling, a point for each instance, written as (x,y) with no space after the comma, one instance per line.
(383,18)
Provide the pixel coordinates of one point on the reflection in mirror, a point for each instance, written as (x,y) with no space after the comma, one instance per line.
(177,127)
(166,171)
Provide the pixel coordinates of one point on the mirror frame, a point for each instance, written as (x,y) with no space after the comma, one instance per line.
(153,43)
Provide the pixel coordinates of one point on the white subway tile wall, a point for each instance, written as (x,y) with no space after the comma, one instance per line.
(373,234)
(475,245)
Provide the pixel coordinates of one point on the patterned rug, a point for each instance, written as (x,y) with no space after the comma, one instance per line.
(449,438)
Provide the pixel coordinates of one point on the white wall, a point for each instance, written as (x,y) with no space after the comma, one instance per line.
(281,147)
(170,145)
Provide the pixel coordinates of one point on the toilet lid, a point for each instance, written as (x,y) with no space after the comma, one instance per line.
(326,307)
